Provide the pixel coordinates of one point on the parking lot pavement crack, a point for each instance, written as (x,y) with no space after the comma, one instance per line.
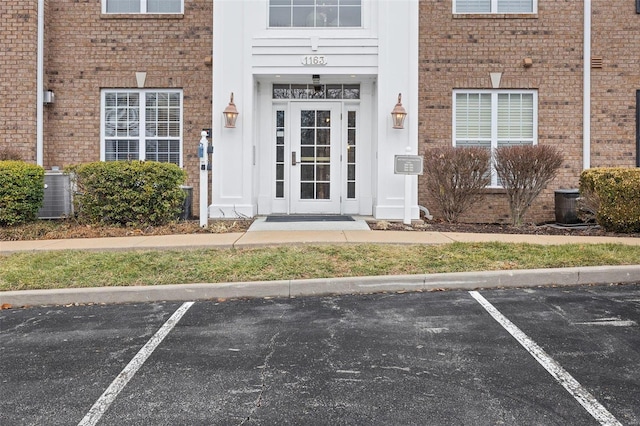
(263,378)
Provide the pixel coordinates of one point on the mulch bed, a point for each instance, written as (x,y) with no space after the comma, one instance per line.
(44,229)
(57,229)
(498,228)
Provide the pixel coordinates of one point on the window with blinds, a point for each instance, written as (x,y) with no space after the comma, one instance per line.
(142,6)
(142,125)
(515,119)
(494,118)
(473,119)
(495,6)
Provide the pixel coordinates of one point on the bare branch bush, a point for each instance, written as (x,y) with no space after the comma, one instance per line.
(524,171)
(456,178)
(9,154)
(588,206)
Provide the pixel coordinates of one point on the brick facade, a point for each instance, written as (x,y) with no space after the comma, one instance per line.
(18,60)
(460,52)
(87,51)
(616,40)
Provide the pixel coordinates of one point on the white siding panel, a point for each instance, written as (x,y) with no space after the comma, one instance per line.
(359,55)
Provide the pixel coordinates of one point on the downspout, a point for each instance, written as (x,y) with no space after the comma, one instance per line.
(586,107)
(40,87)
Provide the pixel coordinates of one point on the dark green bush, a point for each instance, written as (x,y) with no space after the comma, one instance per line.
(614,194)
(21,191)
(128,193)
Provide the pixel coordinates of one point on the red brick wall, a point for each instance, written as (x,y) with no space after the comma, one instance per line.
(615,39)
(18,59)
(89,51)
(459,52)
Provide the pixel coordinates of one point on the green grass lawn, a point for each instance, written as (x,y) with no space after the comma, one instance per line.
(61,269)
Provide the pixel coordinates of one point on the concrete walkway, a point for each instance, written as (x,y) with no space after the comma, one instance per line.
(290,288)
(268,238)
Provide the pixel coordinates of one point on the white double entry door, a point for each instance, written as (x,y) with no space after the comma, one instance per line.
(315,158)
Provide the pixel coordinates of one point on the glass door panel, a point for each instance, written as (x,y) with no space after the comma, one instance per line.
(315,183)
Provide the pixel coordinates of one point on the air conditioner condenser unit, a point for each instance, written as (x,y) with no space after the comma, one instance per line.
(58,198)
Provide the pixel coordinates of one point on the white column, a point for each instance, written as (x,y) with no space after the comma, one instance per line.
(232,168)
(397,73)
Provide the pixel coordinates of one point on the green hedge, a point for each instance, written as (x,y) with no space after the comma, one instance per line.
(128,193)
(21,192)
(614,193)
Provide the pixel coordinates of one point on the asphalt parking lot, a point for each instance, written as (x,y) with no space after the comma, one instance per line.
(543,356)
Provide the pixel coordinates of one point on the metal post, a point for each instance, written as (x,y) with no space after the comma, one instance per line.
(407,195)
(204,183)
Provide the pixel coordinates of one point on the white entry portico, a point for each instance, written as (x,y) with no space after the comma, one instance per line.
(314,131)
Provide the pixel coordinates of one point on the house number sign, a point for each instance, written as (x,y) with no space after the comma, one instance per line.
(314,60)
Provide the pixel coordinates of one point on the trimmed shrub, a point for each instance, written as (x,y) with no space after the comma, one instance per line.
(128,193)
(614,194)
(524,171)
(21,192)
(456,178)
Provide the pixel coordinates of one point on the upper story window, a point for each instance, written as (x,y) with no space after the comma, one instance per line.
(494,6)
(315,13)
(143,6)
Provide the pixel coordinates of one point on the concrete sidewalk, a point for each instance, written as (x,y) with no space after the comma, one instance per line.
(267,238)
(314,287)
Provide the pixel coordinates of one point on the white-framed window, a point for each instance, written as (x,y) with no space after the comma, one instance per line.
(141,125)
(495,118)
(142,6)
(315,13)
(495,6)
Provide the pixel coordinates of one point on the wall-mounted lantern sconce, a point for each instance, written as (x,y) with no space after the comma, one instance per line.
(230,114)
(398,114)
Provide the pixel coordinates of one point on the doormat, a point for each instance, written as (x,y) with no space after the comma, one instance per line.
(308,218)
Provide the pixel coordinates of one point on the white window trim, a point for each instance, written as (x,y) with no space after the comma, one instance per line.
(494,119)
(142,119)
(143,8)
(494,8)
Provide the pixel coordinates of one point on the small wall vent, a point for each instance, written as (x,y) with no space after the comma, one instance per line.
(58,202)
(596,62)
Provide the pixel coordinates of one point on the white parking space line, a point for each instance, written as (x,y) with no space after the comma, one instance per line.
(102,404)
(597,410)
